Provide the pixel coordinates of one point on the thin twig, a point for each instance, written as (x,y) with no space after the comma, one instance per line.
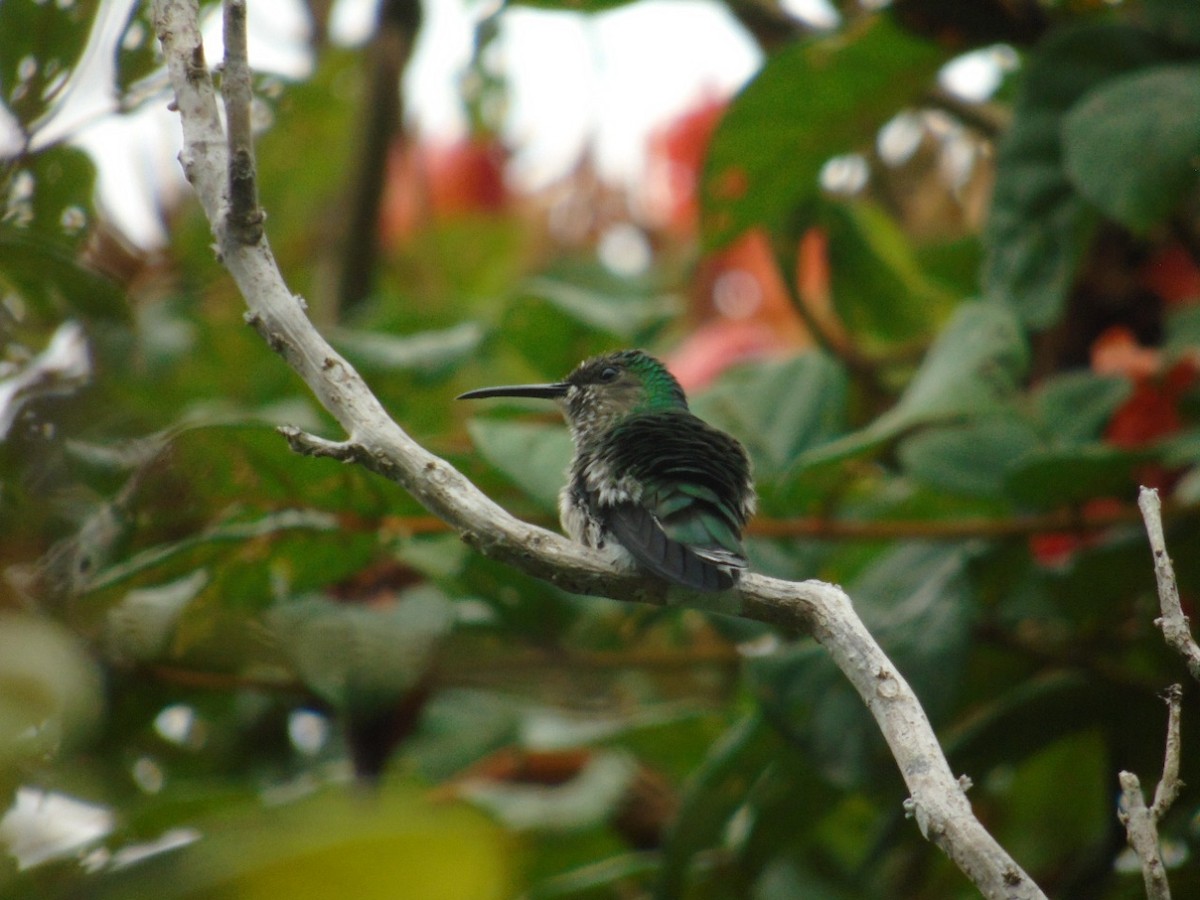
(1140,821)
(1173,622)
(245,216)
(938,802)
(1169,787)
(200,679)
(988,119)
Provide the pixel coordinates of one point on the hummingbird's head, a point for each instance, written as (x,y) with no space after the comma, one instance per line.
(603,390)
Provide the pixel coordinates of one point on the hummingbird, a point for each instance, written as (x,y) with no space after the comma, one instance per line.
(650,483)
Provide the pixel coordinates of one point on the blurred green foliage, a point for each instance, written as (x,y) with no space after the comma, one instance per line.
(202,631)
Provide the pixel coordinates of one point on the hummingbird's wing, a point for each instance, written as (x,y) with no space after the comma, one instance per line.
(689,497)
(647,541)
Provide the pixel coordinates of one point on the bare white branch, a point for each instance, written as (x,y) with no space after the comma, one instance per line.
(937,801)
(1174,624)
(1169,786)
(1141,821)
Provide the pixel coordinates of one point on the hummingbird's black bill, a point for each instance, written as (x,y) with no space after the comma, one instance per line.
(538,391)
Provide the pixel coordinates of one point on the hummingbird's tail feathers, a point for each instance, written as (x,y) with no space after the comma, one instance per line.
(699,568)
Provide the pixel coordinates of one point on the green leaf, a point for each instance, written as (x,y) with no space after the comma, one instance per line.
(605,307)
(533,456)
(969,459)
(1073,407)
(398,842)
(1039,832)
(716,790)
(778,409)
(136,52)
(808,103)
(62,368)
(1051,478)
(879,289)
(51,194)
(974,366)
(1060,703)
(1182,328)
(42,44)
(786,879)
(603,878)
(50,690)
(426,353)
(63,181)
(232,533)
(460,726)
(971,371)
(919,603)
(1131,145)
(1033,268)
(359,658)
(235,467)
(139,628)
(50,279)
(1178,23)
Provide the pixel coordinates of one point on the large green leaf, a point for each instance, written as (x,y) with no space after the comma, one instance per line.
(919,603)
(139,628)
(810,102)
(1130,145)
(1030,267)
(974,366)
(50,690)
(879,288)
(779,409)
(972,371)
(969,459)
(1182,327)
(717,789)
(135,55)
(232,533)
(424,353)
(42,44)
(614,308)
(46,273)
(359,658)
(396,844)
(533,456)
(574,310)
(1074,406)
(1178,22)
(52,193)
(1050,478)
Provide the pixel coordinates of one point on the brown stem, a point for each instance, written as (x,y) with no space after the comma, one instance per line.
(820,528)
(985,118)
(382,112)
(863,368)
(245,216)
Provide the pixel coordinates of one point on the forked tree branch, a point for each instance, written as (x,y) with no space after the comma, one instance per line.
(938,802)
(1141,821)
(1173,622)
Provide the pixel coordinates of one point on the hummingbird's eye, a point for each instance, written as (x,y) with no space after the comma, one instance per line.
(609,373)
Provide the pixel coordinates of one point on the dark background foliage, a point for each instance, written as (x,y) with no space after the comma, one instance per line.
(961,384)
